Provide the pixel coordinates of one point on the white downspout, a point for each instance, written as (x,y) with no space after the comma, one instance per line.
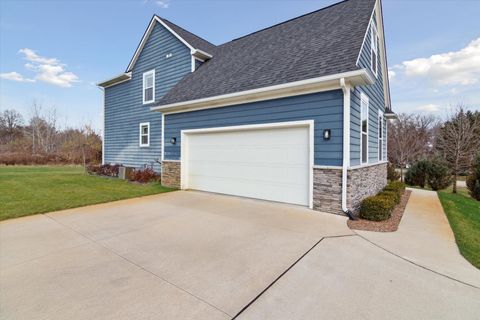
(346,143)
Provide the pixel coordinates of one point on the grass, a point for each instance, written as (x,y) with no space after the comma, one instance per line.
(463,213)
(27,190)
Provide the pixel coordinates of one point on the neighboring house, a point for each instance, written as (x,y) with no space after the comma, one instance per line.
(293,113)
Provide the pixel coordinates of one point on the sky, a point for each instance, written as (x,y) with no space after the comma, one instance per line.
(53,52)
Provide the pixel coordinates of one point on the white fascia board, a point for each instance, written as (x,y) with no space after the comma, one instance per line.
(115,80)
(200,54)
(147,34)
(325,83)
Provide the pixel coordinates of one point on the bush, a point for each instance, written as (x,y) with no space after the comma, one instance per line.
(394,195)
(417,174)
(396,186)
(392,174)
(144,175)
(19,158)
(438,175)
(376,208)
(473,179)
(108,170)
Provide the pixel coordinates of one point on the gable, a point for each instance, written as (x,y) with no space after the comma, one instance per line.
(192,42)
(364,60)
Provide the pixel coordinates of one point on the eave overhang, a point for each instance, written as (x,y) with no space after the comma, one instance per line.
(325,83)
(115,80)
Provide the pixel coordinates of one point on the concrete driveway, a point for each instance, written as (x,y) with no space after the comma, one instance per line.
(193,255)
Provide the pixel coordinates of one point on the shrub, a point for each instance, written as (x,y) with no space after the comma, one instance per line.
(144,175)
(473,179)
(392,174)
(438,175)
(417,173)
(396,186)
(109,170)
(376,208)
(394,195)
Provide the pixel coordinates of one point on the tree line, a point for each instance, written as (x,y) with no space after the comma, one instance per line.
(40,140)
(454,140)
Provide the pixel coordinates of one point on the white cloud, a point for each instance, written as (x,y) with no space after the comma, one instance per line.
(163,3)
(49,70)
(15,76)
(391,74)
(452,68)
(429,107)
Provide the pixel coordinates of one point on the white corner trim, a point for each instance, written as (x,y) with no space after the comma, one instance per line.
(147,33)
(103,127)
(162,148)
(140,144)
(184,146)
(325,83)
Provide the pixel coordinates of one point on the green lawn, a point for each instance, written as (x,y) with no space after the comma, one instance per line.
(26,190)
(463,213)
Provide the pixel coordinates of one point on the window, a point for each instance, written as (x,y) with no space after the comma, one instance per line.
(145,134)
(380,135)
(374,49)
(149,86)
(364,106)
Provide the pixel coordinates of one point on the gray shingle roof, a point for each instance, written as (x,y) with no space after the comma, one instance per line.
(317,44)
(194,40)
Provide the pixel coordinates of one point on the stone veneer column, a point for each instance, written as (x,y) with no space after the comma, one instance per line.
(364,182)
(327,190)
(171,174)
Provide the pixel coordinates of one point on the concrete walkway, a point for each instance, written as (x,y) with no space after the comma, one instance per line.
(425,238)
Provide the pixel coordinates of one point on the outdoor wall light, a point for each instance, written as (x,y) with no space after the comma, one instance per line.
(327,133)
(173,140)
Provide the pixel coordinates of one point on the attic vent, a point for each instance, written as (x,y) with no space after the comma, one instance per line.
(168,55)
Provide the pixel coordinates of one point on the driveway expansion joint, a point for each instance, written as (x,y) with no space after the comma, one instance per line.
(418,265)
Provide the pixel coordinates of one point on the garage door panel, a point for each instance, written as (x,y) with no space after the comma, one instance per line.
(238,170)
(271,164)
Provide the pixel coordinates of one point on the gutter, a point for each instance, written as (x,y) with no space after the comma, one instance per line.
(346,145)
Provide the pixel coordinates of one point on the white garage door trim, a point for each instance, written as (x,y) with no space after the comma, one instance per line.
(304,123)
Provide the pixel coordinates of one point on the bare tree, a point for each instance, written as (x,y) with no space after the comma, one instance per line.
(458,139)
(42,129)
(409,138)
(11,122)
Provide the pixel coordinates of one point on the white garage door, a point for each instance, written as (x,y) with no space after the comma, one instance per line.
(271,163)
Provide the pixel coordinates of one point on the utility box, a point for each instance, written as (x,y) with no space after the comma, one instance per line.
(124,172)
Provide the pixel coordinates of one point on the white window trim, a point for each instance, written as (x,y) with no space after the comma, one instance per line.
(380,141)
(374,46)
(364,98)
(141,134)
(145,74)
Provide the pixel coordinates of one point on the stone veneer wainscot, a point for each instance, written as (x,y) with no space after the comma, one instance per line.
(171,174)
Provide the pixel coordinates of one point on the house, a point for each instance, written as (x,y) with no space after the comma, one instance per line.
(293,113)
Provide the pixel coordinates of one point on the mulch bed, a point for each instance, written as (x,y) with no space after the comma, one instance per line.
(389,225)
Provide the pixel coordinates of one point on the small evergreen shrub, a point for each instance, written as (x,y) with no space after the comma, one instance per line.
(376,208)
(473,179)
(438,175)
(396,186)
(394,195)
(392,174)
(144,175)
(417,173)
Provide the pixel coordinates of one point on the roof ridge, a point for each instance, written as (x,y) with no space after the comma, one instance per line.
(286,21)
(193,34)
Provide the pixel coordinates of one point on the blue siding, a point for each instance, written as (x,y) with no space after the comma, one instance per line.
(325,108)
(376,97)
(124,108)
